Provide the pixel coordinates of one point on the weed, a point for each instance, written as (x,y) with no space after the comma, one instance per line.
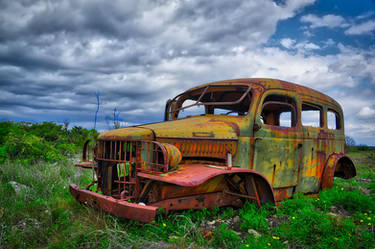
(254,217)
(225,238)
(228,213)
(43,214)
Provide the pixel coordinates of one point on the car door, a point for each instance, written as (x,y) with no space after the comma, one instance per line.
(277,140)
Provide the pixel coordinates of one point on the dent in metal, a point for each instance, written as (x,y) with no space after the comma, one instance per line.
(183,162)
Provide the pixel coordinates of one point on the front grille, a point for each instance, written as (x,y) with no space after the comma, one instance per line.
(146,155)
(119,162)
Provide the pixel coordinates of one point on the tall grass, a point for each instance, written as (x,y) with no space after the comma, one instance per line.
(43,214)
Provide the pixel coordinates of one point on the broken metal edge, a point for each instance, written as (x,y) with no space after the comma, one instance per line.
(118,208)
(86,165)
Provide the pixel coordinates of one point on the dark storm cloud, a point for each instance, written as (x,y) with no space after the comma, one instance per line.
(85,17)
(55,55)
(23,57)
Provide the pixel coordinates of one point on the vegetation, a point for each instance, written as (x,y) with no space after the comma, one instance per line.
(47,141)
(37,210)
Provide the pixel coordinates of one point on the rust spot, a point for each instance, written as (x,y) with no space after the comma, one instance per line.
(183,163)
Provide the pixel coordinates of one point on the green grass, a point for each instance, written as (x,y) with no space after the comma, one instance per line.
(44,215)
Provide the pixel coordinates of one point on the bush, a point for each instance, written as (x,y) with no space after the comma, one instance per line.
(45,141)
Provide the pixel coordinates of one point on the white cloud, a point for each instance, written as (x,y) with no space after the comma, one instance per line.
(302,47)
(141,53)
(329,21)
(310,46)
(288,43)
(360,29)
(367,112)
(307,33)
(329,43)
(336,21)
(365,15)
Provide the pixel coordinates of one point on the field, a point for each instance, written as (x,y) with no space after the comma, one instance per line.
(37,211)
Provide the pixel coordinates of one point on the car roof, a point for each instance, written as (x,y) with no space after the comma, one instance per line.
(268,84)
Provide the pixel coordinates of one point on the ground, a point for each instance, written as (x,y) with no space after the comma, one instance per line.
(37,211)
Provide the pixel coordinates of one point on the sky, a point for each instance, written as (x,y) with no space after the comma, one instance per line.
(55,56)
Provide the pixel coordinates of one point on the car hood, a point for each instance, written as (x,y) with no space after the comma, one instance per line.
(208,127)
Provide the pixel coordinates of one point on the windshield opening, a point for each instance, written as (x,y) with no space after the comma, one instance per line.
(220,100)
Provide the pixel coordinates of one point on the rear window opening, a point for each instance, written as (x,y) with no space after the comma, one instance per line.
(333,120)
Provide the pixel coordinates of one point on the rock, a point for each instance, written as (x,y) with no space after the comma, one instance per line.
(339,212)
(236,219)
(18,187)
(364,191)
(365,180)
(253,232)
(210,223)
(333,209)
(285,242)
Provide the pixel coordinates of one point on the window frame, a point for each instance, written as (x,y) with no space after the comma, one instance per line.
(179,99)
(293,108)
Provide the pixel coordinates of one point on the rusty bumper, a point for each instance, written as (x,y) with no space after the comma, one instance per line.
(119,208)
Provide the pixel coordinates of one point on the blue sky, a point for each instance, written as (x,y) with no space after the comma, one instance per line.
(343,13)
(54,55)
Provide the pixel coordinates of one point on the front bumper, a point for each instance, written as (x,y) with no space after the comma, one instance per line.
(119,208)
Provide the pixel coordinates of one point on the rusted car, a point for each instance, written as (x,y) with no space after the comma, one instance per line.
(221,143)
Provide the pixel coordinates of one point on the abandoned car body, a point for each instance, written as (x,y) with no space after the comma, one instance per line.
(220,144)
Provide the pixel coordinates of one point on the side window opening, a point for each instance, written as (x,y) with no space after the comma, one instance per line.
(311,115)
(333,120)
(279,110)
(286,119)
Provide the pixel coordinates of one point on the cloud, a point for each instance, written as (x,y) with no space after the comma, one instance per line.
(302,47)
(367,112)
(54,56)
(328,21)
(310,46)
(288,43)
(361,29)
(335,21)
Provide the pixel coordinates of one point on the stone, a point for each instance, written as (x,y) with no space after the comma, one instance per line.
(236,219)
(18,187)
(211,222)
(253,232)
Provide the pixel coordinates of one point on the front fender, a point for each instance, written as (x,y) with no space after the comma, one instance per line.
(196,174)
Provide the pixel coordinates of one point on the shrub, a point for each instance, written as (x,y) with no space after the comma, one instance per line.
(45,141)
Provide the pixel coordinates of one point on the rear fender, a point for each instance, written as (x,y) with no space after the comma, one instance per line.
(337,165)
